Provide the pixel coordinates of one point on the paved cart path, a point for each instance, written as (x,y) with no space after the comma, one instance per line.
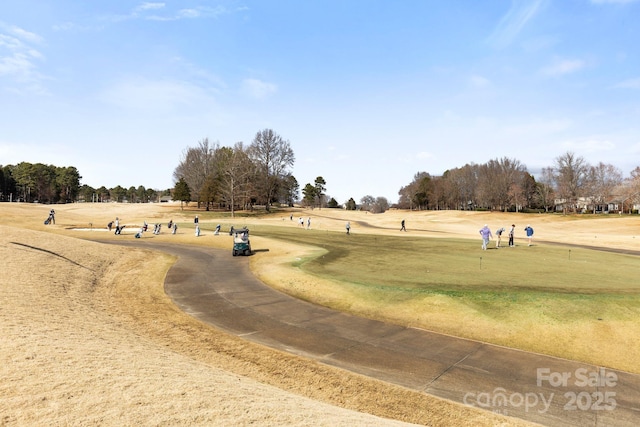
(219,289)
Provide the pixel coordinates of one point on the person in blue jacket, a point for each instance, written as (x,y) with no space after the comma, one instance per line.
(529,232)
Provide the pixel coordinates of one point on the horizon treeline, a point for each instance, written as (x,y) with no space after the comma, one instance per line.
(259,174)
(37,182)
(505,184)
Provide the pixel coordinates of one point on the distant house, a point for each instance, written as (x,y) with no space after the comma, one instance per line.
(580,205)
(615,204)
(166,199)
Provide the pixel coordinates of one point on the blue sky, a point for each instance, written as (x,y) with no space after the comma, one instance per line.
(367,92)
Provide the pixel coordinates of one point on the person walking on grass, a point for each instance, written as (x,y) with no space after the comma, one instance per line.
(348,226)
(512,232)
(402,228)
(485,232)
(529,232)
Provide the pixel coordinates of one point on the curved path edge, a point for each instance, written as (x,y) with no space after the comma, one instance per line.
(214,287)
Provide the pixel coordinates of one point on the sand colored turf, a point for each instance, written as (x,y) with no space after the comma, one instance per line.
(89,338)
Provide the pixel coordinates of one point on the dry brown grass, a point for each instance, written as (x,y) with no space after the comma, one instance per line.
(89,337)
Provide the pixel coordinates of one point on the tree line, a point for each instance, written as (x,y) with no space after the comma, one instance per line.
(241,177)
(505,184)
(139,194)
(37,182)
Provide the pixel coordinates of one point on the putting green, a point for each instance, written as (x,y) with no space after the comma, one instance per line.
(456,265)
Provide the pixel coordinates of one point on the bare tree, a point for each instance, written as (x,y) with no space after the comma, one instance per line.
(367,202)
(451,188)
(439,193)
(603,179)
(272,156)
(195,167)
(498,180)
(630,190)
(380,205)
(374,204)
(544,189)
(571,179)
(462,186)
(516,196)
(235,172)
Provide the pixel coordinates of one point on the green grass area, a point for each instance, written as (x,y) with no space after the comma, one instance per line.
(561,282)
(422,264)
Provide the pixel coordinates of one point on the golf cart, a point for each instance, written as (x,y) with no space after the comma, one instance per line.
(241,243)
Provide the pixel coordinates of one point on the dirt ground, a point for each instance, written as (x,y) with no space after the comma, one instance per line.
(89,337)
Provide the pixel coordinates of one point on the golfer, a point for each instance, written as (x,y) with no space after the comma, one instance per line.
(529,232)
(486,236)
(512,233)
(499,232)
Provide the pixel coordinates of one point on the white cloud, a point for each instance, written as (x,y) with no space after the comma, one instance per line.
(18,60)
(150,6)
(190,13)
(17,65)
(10,43)
(564,66)
(258,89)
(514,21)
(24,34)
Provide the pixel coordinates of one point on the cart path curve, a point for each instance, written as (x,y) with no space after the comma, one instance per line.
(211,285)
